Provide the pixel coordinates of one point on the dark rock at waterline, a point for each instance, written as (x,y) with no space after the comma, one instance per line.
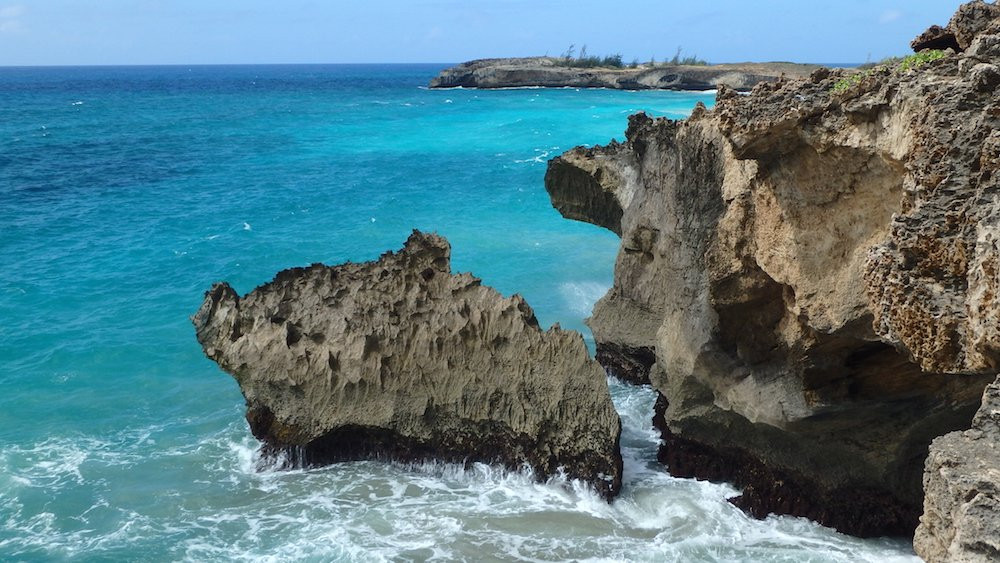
(856,509)
(816,268)
(631,365)
(401,359)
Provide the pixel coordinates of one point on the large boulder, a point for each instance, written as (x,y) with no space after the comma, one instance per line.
(401,359)
(814,268)
(961,520)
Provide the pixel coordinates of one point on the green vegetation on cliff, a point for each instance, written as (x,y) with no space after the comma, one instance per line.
(892,64)
(570,58)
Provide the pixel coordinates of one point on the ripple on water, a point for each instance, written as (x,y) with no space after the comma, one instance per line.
(366,511)
(120,441)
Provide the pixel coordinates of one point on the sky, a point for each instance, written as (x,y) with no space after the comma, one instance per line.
(121,32)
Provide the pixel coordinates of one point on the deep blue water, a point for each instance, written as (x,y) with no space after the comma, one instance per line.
(126,192)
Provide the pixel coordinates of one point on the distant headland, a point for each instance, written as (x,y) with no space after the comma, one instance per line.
(554,72)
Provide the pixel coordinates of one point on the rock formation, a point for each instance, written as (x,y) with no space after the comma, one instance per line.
(549,72)
(809,277)
(400,358)
(971,19)
(961,520)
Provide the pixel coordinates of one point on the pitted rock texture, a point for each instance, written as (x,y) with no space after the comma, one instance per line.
(400,358)
(548,72)
(970,21)
(961,520)
(816,272)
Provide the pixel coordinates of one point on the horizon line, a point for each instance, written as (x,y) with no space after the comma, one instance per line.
(136,65)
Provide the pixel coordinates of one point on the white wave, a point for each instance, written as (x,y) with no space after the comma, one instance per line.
(234,509)
(581,296)
(541,158)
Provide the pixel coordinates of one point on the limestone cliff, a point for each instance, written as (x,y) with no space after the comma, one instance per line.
(400,358)
(550,72)
(961,520)
(809,276)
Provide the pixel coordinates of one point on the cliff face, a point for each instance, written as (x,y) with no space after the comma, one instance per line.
(400,358)
(809,276)
(961,520)
(548,72)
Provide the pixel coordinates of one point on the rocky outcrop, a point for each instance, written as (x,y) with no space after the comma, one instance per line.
(970,20)
(550,72)
(815,268)
(961,520)
(399,358)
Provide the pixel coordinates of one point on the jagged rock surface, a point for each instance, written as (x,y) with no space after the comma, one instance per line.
(400,358)
(548,72)
(816,272)
(970,20)
(961,520)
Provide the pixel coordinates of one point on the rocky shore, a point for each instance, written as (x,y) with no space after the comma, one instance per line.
(809,275)
(401,359)
(551,72)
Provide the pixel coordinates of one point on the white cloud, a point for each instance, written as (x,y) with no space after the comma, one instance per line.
(10,18)
(11,12)
(890,16)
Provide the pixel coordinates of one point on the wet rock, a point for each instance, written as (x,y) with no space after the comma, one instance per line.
(401,359)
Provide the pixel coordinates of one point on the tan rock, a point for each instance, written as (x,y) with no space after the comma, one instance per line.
(961,520)
(400,358)
(815,271)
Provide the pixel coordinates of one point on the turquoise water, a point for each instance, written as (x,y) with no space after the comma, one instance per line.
(125,192)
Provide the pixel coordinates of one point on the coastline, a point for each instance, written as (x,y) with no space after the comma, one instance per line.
(549,72)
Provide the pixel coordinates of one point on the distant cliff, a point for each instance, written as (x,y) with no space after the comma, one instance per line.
(548,72)
(809,275)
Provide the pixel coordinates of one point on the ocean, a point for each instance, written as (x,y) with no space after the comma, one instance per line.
(125,192)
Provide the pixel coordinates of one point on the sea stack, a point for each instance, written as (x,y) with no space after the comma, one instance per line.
(401,359)
(809,274)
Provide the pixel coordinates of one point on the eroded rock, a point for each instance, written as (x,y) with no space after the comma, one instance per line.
(400,358)
(961,520)
(815,269)
(970,20)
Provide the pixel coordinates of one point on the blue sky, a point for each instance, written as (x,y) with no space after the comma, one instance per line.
(71,32)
